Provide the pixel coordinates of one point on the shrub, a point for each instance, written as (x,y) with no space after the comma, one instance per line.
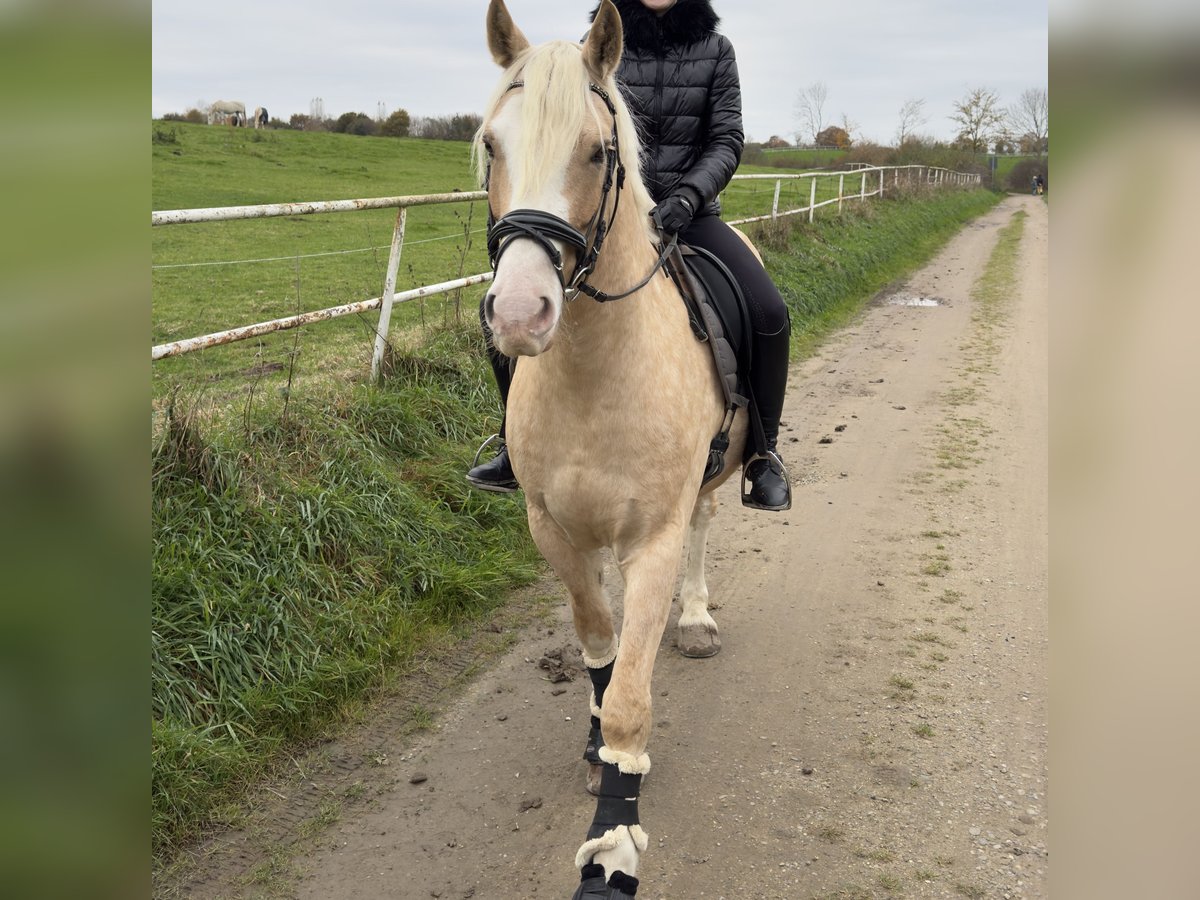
(396,125)
(459,127)
(355,123)
(871,154)
(1021,175)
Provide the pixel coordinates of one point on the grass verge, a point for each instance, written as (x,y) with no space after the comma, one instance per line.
(301,552)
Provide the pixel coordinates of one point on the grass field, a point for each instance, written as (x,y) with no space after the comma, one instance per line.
(212,276)
(313,533)
(310,261)
(805,156)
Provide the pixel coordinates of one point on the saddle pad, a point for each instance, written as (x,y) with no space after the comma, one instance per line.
(724,296)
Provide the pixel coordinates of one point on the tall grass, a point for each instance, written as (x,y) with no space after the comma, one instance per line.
(294,561)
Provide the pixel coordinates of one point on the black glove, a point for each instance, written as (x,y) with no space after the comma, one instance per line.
(675,213)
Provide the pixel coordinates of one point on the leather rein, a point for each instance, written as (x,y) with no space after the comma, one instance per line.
(544,228)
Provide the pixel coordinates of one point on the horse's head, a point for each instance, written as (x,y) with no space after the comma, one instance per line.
(548,151)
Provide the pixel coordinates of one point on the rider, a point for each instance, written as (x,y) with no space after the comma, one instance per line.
(679,77)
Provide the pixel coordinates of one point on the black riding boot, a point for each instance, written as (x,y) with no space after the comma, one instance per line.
(765,482)
(496,474)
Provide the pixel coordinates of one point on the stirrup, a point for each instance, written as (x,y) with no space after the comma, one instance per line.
(495,437)
(776,464)
(483,477)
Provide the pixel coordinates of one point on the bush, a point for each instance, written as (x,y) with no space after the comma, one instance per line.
(396,125)
(1021,175)
(459,127)
(355,123)
(871,154)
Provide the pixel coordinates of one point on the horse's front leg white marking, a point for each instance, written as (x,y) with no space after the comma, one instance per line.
(698,634)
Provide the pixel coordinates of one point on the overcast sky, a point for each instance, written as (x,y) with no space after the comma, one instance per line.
(431,58)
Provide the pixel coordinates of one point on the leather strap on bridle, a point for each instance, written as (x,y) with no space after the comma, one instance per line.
(543,227)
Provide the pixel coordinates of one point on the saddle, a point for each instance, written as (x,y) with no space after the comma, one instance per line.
(718,316)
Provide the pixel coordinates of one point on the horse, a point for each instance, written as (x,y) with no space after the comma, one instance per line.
(614,403)
(231,111)
(260,117)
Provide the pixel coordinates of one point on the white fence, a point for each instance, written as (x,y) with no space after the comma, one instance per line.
(871,182)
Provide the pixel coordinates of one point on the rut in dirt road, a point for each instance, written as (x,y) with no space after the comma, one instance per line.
(875,725)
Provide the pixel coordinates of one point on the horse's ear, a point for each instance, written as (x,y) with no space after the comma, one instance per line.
(602,49)
(505,39)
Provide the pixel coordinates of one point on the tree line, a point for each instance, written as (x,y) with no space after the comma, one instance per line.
(982,121)
(457,127)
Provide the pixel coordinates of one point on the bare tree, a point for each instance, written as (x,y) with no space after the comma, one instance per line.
(810,110)
(912,117)
(980,117)
(850,127)
(1031,117)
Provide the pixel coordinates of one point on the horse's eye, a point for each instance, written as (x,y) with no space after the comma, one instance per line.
(487,147)
(599,156)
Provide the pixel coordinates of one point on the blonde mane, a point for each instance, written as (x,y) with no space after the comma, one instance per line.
(557,97)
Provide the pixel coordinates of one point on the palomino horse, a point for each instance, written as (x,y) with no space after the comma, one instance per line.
(611,414)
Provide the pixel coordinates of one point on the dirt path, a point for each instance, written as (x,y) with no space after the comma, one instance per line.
(875,725)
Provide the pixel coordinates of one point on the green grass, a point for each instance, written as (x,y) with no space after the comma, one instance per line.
(226,166)
(801,156)
(300,558)
(312,533)
(212,276)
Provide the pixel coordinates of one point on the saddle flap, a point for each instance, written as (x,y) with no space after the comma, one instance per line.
(718,315)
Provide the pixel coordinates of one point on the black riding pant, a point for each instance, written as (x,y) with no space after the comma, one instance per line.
(768,312)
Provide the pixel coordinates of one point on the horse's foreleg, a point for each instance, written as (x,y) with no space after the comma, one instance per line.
(582,573)
(616,839)
(698,635)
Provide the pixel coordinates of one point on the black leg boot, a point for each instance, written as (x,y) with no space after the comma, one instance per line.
(765,482)
(496,474)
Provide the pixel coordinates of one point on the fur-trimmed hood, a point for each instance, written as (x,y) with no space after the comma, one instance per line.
(687,22)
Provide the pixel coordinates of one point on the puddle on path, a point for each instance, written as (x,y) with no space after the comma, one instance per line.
(903,300)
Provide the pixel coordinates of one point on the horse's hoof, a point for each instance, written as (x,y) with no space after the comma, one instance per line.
(699,641)
(593,778)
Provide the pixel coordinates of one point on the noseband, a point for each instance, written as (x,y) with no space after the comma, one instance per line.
(544,228)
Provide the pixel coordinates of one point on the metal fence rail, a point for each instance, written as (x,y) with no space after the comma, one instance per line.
(876,175)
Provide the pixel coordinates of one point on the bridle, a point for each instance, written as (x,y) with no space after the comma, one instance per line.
(543,227)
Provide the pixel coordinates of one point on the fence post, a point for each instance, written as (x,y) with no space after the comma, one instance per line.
(862,188)
(841,191)
(881,176)
(389,291)
(812,197)
(775,202)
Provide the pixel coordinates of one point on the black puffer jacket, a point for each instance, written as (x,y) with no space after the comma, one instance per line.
(679,78)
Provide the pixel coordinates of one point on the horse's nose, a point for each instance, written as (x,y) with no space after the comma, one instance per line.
(544,320)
